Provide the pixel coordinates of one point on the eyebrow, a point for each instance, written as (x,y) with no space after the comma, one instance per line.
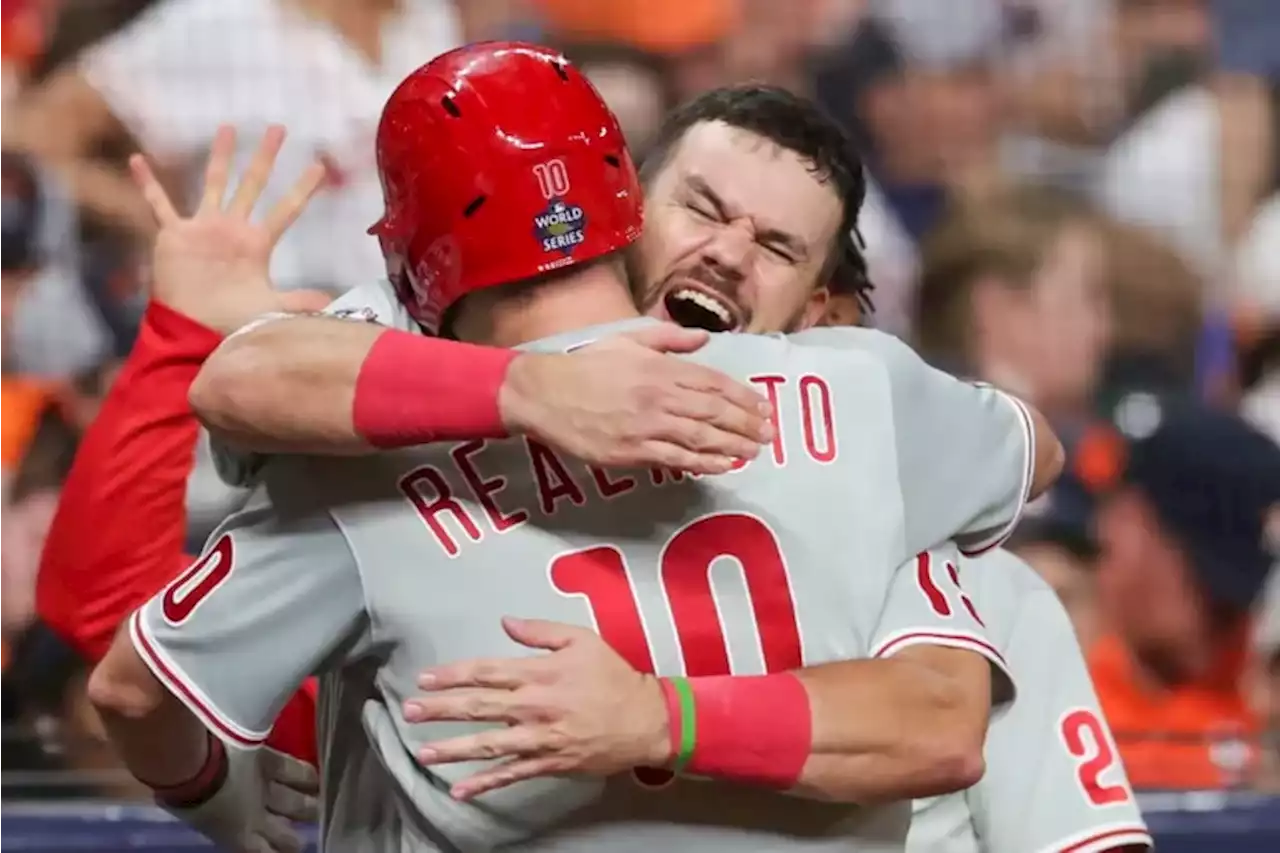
(763,235)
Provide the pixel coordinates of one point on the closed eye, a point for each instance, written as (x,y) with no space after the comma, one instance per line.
(778,252)
(702,211)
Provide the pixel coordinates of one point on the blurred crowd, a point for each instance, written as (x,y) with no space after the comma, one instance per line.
(1078,201)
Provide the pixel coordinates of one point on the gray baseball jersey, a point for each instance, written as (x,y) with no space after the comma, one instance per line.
(368,570)
(1054,781)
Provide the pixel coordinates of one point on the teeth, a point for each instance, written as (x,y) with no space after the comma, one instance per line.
(703,301)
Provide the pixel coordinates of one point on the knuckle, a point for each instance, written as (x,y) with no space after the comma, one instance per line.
(485,671)
(699,437)
(489,749)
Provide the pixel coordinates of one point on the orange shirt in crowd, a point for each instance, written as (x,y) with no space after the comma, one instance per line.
(1195,736)
(660,26)
(22,402)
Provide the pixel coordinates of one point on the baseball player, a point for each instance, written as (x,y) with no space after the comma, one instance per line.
(347,523)
(1054,780)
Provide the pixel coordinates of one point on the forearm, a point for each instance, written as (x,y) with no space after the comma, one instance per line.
(891,729)
(860,731)
(159,740)
(323,385)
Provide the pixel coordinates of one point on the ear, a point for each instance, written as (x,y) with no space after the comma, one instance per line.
(814,309)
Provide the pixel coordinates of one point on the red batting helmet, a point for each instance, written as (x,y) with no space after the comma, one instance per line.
(499,162)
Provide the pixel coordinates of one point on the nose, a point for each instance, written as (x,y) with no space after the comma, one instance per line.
(728,254)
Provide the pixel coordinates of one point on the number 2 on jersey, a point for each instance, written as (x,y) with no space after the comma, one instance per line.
(1094,755)
(601,575)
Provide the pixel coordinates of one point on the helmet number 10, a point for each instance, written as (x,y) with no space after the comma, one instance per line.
(553,179)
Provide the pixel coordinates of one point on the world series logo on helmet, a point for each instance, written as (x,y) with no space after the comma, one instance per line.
(560,227)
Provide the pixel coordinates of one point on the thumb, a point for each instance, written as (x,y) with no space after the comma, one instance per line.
(304,301)
(539,633)
(669,337)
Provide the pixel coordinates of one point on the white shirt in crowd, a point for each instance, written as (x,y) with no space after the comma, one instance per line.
(1163,174)
(186,66)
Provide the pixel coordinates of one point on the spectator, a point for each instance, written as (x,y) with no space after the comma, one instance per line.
(50,328)
(1013,291)
(22,36)
(1162,174)
(30,502)
(1156,297)
(1056,539)
(321,67)
(44,693)
(691,34)
(1258,294)
(1183,523)
(637,85)
(946,142)
(1265,679)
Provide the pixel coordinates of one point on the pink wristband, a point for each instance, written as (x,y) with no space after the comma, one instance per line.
(754,728)
(414,389)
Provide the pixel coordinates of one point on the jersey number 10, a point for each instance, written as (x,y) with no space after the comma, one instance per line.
(601,575)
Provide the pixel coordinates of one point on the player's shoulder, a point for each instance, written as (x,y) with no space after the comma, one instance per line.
(1004,583)
(1000,573)
(373,302)
(887,353)
(817,346)
(853,338)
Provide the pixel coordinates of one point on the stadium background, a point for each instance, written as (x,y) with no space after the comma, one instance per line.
(1101,177)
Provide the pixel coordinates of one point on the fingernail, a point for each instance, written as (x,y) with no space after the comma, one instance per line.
(413,712)
(427,680)
(426,755)
(766,431)
(764,409)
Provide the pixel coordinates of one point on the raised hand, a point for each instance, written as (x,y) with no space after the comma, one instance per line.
(213,265)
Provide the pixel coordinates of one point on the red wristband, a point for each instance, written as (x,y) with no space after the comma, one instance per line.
(199,788)
(755,729)
(414,389)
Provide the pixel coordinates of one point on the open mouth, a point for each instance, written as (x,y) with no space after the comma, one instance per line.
(694,308)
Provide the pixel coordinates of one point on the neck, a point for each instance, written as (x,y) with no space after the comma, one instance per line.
(594,296)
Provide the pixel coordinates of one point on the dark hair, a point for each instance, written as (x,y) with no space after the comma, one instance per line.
(798,125)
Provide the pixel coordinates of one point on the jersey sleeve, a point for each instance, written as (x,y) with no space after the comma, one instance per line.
(1074,796)
(375,303)
(118,534)
(275,597)
(927,605)
(966,451)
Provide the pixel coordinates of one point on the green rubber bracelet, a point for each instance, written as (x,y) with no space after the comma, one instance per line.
(688,723)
